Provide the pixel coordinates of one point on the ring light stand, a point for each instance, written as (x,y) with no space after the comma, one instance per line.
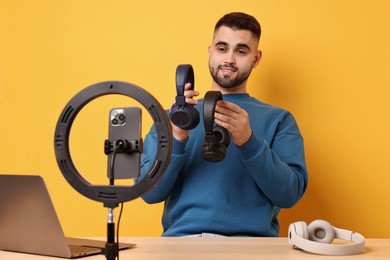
(111,195)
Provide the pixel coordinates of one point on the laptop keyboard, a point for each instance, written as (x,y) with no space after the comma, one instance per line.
(82,250)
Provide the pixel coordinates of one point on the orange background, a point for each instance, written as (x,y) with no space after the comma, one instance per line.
(326,61)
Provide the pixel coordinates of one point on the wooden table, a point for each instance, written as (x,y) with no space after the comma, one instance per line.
(197,248)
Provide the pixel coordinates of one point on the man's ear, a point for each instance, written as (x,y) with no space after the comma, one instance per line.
(258,56)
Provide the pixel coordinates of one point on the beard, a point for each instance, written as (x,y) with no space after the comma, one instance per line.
(227,81)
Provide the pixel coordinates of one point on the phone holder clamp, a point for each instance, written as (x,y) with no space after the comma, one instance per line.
(123,146)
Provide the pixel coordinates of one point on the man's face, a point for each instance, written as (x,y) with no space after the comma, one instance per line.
(232,56)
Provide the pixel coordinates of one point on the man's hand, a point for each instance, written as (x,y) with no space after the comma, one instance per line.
(178,133)
(234,119)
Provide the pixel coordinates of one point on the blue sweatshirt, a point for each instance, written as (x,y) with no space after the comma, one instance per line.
(241,195)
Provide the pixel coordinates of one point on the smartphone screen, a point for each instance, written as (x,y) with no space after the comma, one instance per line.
(124,124)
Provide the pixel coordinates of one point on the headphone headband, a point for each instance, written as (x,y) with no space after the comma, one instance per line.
(209,102)
(184,74)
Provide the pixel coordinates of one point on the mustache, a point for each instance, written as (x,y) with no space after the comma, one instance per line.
(227,66)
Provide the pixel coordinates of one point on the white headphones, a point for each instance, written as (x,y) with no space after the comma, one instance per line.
(318,236)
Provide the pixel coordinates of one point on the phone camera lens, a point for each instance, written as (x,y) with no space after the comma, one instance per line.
(114,121)
(121,117)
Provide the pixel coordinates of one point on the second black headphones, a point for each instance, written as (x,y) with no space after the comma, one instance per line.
(217,138)
(182,114)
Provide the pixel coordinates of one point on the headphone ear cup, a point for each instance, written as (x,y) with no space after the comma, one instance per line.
(215,151)
(301,229)
(321,231)
(185,117)
(211,152)
(195,117)
(222,136)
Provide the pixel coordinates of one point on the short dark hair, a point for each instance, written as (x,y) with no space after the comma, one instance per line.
(240,21)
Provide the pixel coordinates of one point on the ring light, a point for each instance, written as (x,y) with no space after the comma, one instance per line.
(111,195)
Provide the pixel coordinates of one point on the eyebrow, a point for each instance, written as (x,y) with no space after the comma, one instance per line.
(239,45)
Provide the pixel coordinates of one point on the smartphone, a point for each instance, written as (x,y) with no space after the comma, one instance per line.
(124,124)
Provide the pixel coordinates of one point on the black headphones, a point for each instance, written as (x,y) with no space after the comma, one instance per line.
(217,138)
(183,115)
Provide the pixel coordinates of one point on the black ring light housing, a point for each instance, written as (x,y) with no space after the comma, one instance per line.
(112,195)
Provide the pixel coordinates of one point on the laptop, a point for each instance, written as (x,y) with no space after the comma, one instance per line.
(29,223)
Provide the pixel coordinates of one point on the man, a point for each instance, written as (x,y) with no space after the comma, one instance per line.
(264,169)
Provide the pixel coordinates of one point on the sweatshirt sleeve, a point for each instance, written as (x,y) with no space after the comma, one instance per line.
(162,189)
(278,167)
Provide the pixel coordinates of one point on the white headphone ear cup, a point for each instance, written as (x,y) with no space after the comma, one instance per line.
(301,229)
(321,231)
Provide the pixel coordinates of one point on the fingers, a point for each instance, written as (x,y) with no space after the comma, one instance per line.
(190,94)
(234,119)
(229,113)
